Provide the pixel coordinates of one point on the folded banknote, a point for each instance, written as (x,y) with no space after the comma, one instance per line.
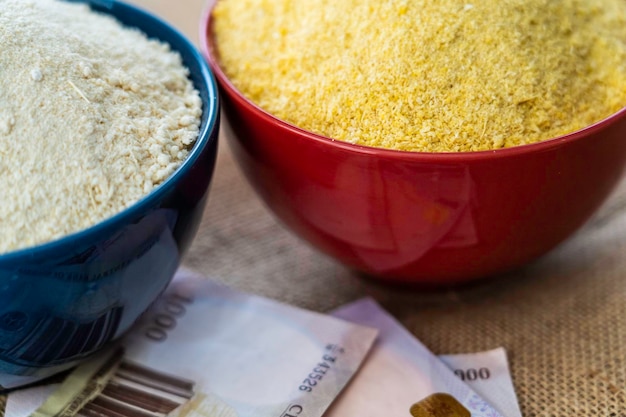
(205,350)
(400,371)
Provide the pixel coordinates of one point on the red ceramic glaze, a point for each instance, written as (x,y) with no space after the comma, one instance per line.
(412,217)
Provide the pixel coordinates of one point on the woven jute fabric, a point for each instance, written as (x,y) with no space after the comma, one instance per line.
(561,319)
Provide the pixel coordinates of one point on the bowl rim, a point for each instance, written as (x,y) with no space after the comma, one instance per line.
(209,50)
(204,139)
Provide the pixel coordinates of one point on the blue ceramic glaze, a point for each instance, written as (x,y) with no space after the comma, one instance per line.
(64,300)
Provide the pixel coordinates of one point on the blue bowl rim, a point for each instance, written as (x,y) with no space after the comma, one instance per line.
(203,140)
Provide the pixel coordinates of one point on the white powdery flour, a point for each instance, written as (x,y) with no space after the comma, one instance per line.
(92,117)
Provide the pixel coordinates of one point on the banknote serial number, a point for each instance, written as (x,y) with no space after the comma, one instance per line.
(321,369)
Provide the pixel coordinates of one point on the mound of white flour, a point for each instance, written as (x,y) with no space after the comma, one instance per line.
(92,117)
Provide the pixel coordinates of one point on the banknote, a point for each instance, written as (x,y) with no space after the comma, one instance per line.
(205,350)
(488,374)
(400,372)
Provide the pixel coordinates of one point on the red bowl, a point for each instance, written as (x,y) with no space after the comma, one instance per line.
(422,217)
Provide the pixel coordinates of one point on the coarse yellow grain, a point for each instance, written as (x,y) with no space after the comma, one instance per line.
(431,76)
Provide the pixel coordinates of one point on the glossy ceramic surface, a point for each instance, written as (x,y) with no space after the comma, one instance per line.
(63,300)
(422,217)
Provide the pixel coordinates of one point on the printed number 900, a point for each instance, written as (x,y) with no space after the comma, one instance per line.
(472,374)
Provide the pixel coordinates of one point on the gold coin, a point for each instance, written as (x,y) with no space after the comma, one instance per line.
(439,405)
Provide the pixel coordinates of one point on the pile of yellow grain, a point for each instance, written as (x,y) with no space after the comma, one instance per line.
(424,75)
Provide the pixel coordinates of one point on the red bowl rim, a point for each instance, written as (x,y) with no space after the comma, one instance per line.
(209,51)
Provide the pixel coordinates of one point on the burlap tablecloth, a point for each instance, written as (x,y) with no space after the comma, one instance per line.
(562,319)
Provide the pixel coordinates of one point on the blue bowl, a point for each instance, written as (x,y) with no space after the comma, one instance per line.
(64,300)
